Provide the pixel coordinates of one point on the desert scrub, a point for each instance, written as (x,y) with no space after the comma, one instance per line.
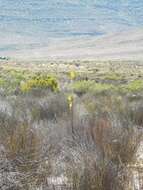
(10,79)
(113,76)
(99,88)
(82,87)
(2,82)
(40,81)
(135,86)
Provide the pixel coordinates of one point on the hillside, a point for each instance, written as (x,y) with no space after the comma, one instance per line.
(123,46)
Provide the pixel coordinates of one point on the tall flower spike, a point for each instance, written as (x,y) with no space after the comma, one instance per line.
(70,101)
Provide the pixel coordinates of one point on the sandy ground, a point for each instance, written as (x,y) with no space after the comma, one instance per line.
(120,46)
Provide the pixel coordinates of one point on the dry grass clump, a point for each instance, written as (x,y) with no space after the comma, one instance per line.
(37,143)
(92,87)
(99,159)
(30,134)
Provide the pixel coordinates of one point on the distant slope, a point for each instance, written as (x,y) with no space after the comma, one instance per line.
(124,46)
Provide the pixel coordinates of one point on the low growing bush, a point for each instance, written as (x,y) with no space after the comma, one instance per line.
(42,82)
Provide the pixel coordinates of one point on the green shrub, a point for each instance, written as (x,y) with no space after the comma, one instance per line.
(2,82)
(99,87)
(135,86)
(113,76)
(82,87)
(10,79)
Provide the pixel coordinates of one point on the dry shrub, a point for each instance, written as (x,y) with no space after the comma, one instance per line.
(38,143)
(98,158)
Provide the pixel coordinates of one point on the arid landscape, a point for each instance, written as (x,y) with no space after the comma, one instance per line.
(72,125)
(71,95)
(126,45)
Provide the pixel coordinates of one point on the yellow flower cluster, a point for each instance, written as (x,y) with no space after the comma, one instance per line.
(70,101)
(72,75)
(40,82)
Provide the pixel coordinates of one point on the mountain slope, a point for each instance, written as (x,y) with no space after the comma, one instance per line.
(126,45)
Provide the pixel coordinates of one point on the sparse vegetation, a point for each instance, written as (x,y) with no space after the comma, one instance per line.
(135,86)
(37,142)
(113,76)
